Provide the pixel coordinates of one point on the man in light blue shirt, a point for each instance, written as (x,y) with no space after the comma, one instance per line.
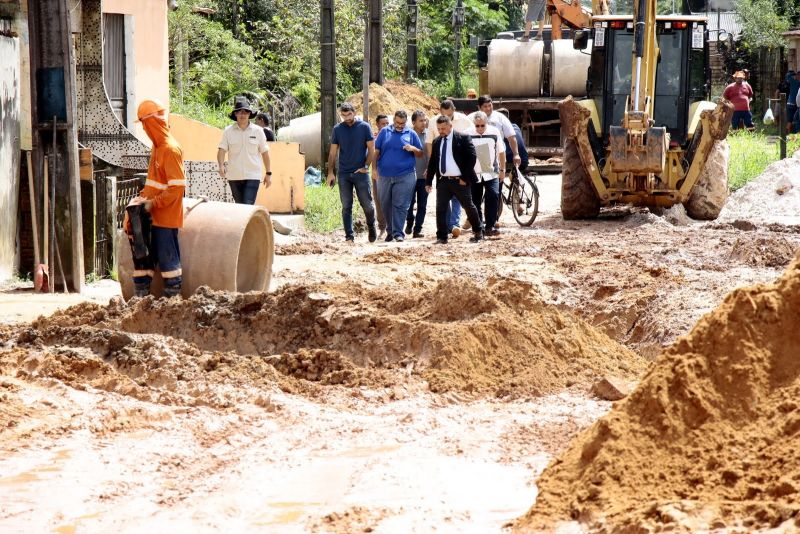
(396,149)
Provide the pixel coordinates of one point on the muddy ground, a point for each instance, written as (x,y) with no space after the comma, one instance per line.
(333,404)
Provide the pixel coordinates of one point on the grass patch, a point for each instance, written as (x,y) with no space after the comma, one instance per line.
(323,209)
(751,153)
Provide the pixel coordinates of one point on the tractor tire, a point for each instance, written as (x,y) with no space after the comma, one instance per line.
(711,190)
(578,197)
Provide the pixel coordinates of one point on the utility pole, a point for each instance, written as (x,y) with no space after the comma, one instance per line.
(328,76)
(367,62)
(458,23)
(411,41)
(376,41)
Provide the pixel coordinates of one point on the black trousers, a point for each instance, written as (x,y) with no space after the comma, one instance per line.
(447,189)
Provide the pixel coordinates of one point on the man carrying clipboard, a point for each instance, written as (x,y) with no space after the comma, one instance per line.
(490,168)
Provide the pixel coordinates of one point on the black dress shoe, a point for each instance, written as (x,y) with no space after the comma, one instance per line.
(476,237)
(441,241)
(418,234)
(494,232)
(373,233)
(409,227)
(389,238)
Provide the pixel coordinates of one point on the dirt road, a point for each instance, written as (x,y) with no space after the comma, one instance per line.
(389,387)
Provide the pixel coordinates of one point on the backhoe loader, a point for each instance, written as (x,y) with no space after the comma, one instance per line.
(647,133)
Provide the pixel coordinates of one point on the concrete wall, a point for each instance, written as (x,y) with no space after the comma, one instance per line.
(286,194)
(9,149)
(150,41)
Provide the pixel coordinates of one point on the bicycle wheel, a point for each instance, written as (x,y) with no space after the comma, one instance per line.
(502,200)
(524,201)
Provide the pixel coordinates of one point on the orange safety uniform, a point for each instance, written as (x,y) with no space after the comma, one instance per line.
(166,181)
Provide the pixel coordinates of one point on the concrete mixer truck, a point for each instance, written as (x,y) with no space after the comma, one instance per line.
(646,134)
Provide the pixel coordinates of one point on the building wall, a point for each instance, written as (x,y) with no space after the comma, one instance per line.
(199,143)
(150,42)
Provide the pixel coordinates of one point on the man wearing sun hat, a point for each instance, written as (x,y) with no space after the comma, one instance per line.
(740,94)
(246,147)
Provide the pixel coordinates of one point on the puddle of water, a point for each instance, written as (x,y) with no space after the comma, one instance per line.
(72,528)
(21,479)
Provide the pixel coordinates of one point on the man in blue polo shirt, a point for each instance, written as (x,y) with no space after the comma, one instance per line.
(352,141)
(396,149)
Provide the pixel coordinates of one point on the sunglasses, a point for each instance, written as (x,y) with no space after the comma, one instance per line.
(480,126)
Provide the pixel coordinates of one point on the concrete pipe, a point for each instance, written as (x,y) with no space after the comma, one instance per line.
(569,67)
(307,131)
(515,68)
(224,246)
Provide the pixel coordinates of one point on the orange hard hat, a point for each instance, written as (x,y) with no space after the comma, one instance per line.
(149,108)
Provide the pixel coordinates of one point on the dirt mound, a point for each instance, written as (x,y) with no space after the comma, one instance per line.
(392,96)
(709,438)
(773,197)
(763,251)
(501,340)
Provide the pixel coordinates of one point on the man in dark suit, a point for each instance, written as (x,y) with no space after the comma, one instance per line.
(453,163)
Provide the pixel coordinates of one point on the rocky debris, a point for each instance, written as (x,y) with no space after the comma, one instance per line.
(611,388)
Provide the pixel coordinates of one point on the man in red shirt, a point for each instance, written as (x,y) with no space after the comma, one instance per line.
(740,94)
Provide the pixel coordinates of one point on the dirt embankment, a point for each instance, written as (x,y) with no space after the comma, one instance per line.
(709,438)
(221,349)
(393,96)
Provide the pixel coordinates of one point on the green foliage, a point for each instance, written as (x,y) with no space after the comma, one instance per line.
(323,209)
(212,66)
(751,153)
(437,42)
(761,24)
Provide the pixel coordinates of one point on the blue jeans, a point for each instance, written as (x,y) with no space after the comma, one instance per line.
(453,213)
(360,182)
(741,117)
(490,192)
(244,191)
(420,196)
(395,195)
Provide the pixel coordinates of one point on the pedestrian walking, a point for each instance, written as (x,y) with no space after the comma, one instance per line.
(452,162)
(262,121)
(490,168)
(396,150)
(522,150)
(246,147)
(740,94)
(419,121)
(381,122)
(460,123)
(155,217)
(354,145)
(501,122)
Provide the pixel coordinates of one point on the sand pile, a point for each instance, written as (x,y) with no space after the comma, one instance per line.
(773,197)
(499,340)
(393,96)
(709,438)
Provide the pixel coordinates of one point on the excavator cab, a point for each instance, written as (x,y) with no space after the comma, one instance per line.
(682,75)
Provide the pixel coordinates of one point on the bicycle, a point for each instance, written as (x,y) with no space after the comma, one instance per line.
(521,196)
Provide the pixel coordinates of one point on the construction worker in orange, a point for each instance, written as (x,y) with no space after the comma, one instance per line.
(156,215)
